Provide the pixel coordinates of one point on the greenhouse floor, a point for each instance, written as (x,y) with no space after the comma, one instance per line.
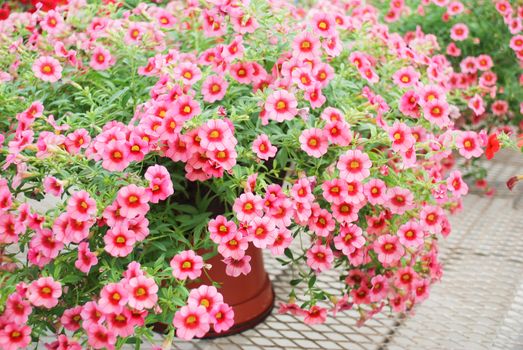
(477,305)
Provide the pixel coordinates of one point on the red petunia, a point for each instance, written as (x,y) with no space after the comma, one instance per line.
(493,146)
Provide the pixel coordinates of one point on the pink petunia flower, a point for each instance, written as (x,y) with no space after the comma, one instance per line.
(389,250)
(248,206)
(186,107)
(142,292)
(235,247)
(132,201)
(191,321)
(262,232)
(222,317)
(406,77)
(469,144)
(44,292)
(411,234)
(71,318)
(115,156)
(101,59)
(319,258)
(281,105)
(187,264)
(399,200)
(376,191)
(47,68)
(99,337)
(401,137)
(437,112)
(316,315)
(349,239)
(306,46)
(456,184)
(17,310)
(314,142)
(379,289)
(188,72)
(113,298)
(335,190)
(15,336)
(119,242)
(206,296)
(214,88)
(81,206)
(338,133)
(236,267)
(354,165)
(263,148)
(459,32)
(282,241)
(216,134)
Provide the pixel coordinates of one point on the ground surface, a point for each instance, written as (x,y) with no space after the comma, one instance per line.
(477,305)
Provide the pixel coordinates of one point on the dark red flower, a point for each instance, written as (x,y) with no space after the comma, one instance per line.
(493,146)
(513,181)
(4,12)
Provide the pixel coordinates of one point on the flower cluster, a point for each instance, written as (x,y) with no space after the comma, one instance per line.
(138,142)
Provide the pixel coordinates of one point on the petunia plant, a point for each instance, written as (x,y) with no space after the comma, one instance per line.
(483,41)
(139,140)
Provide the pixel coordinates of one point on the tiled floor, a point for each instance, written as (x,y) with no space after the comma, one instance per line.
(477,305)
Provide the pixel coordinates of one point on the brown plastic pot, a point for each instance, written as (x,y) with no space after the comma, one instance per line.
(251,296)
